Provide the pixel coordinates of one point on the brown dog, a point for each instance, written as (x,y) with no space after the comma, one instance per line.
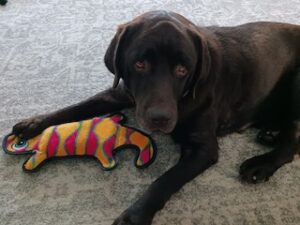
(198,83)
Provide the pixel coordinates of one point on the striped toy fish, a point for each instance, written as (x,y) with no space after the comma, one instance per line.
(99,137)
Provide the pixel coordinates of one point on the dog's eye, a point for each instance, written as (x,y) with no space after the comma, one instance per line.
(180,70)
(141,66)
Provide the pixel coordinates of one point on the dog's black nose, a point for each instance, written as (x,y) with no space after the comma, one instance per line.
(158,117)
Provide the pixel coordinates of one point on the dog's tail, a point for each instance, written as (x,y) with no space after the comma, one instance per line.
(3,2)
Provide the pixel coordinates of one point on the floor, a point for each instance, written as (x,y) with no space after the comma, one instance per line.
(51,55)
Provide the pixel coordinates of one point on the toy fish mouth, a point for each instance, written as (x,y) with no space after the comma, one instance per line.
(17,151)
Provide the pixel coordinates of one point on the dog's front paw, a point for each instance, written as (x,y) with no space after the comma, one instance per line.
(257,169)
(267,137)
(133,217)
(30,128)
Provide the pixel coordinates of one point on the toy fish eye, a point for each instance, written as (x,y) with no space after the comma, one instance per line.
(20,144)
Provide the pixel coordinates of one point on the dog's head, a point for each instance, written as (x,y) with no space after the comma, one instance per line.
(161,56)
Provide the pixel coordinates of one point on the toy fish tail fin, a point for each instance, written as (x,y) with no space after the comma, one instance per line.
(146,156)
(146,148)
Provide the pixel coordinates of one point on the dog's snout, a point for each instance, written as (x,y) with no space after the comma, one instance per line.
(158,117)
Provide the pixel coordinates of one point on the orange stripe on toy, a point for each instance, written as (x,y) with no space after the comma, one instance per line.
(105,129)
(102,157)
(82,137)
(45,138)
(121,136)
(67,134)
(139,139)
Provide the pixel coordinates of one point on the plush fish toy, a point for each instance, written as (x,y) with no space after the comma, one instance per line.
(99,137)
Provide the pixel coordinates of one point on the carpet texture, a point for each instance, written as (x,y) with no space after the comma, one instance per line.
(51,55)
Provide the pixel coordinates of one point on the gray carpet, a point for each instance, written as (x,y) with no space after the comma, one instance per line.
(51,55)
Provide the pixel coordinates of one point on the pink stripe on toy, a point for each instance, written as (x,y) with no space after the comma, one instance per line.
(108,146)
(128,133)
(91,145)
(70,143)
(96,120)
(116,118)
(52,143)
(145,155)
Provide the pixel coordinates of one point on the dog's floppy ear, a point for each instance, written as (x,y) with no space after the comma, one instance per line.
(112,56)
(204,59)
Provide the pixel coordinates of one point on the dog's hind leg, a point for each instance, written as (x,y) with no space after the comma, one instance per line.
(260,168)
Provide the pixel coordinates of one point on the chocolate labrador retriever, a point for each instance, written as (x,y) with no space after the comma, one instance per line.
(198,83)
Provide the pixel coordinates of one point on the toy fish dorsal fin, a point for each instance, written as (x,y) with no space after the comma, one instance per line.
(117,118)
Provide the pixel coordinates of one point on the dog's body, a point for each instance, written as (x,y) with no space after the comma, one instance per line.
(255,58)
(212,80)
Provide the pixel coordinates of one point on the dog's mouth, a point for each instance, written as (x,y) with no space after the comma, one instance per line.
(165,130)
(150,128)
